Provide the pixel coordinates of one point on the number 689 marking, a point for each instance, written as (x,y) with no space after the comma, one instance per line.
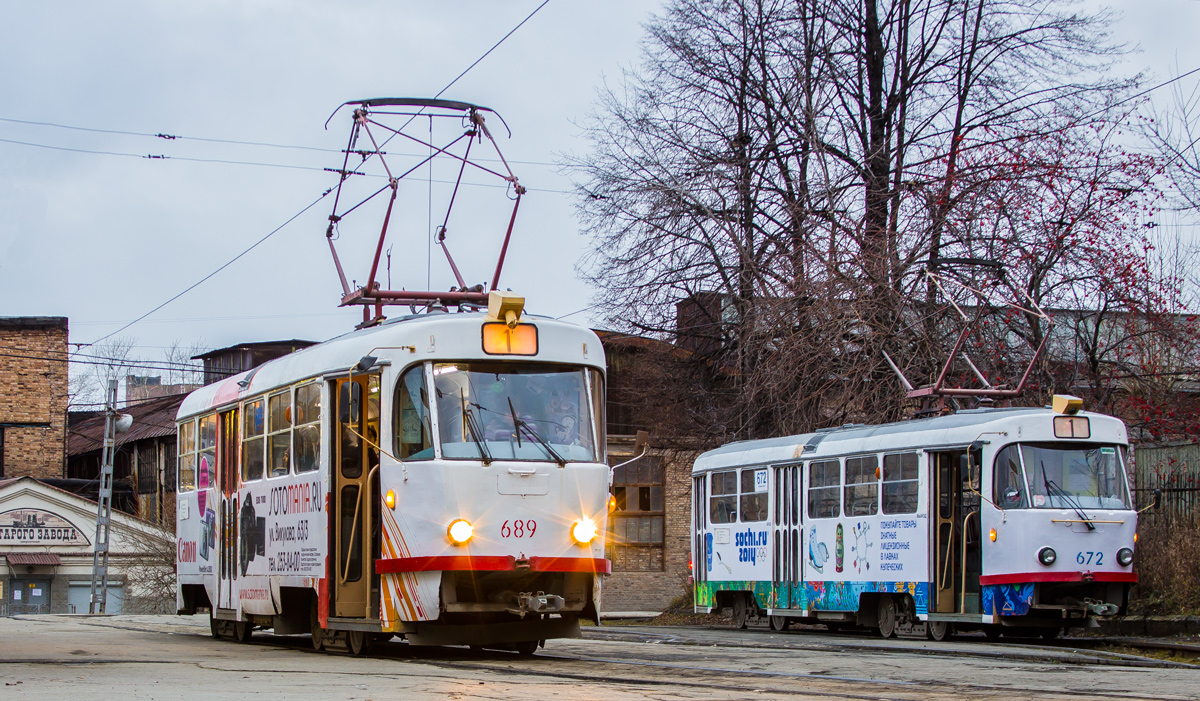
(518,529)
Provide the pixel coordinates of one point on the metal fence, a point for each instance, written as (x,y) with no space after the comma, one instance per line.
(12,608)
(1174,470)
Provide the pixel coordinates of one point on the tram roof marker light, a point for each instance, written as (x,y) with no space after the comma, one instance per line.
(505,306)
(1066,404)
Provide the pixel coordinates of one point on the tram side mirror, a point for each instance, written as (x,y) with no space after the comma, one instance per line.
(349,402)
(1158,500)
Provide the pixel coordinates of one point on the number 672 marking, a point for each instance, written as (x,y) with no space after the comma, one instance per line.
(518,529)
(1085,557)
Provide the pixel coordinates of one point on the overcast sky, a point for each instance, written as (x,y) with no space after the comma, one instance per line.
(102,239)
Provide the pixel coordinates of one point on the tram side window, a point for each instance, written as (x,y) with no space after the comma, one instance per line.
(308,427)
(824,489)
(862,486)
(900,483)
(253,444)
(754,505)
(206,466)
(412,434)
(187,456)
(1006,480)
(279,425)
(722,505)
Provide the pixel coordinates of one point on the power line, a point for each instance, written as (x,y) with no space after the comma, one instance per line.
(226,265)
(222,161)
(323,194)
(211,140)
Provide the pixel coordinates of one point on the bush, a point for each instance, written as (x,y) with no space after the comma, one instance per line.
(1168,567)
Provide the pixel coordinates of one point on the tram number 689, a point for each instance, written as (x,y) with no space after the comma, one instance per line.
(518,529)
(1085,558)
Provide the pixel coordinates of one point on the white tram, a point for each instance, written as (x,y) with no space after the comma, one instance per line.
(439,476)
(1015,520)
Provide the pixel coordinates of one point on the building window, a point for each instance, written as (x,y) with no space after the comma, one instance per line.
(637,521)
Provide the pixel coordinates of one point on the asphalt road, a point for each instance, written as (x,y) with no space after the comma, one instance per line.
(170,657)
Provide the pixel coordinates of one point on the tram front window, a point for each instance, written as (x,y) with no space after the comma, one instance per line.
(515,411)
(1059,477)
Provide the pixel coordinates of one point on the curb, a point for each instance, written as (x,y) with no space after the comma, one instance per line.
(1151,626)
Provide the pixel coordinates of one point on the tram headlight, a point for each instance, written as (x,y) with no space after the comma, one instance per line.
(1047,556)
(460,531)
(390,499)
(1124,557)
(583,531)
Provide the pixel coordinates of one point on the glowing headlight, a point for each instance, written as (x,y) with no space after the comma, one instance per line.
(390,499)
(1047,556)
(1124,557)
(460,531)
(583,531)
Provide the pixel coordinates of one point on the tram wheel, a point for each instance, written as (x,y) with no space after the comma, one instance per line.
(833,627)
(214,626)
(780,623)
(1050,633)
(937,630)
(526,648)
(359,642)
(887,616)
(992,632)
(314,623)
(741,612)
(242,631)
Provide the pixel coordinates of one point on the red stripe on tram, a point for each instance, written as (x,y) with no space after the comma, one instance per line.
(1024,577)
(492,563)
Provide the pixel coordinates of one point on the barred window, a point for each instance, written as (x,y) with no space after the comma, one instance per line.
(638,518)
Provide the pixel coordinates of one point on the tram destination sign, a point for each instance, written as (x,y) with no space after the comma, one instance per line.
(37,527)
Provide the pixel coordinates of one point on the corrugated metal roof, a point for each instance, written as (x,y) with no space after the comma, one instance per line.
(32,558)
(153,418)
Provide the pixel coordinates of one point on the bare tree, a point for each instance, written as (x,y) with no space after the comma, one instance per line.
(792,166)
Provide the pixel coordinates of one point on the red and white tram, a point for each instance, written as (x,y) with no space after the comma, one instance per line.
(440,476)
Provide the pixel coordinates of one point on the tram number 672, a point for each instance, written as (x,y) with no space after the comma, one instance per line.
(1085,558)
(518,529)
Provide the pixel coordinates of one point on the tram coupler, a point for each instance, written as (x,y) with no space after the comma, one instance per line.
(1102,608)
(541,602)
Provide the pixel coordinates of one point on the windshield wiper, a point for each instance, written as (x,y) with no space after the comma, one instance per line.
(529,431)
(1052,488)
(473,429)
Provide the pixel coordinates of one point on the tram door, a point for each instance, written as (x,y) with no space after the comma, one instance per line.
(356,501)
(787,516)
(956,579)
(227,479)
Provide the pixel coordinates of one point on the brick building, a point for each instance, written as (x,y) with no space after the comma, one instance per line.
(33,396)
(649,537)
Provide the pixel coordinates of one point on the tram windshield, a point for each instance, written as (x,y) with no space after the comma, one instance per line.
(514,411)
(1073,477)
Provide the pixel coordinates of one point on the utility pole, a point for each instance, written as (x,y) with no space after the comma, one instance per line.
(104,501)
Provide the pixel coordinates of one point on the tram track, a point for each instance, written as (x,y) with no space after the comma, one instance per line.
(1042,653)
